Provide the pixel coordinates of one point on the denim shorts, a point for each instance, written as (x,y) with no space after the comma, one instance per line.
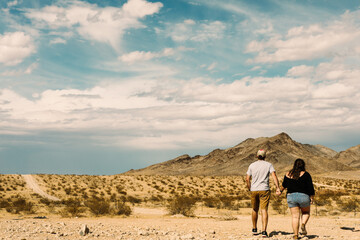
(297,199)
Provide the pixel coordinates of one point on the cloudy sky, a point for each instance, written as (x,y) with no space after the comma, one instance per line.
(103,86)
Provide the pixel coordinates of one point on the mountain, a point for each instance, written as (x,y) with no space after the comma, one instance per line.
(350,157)
(281,152)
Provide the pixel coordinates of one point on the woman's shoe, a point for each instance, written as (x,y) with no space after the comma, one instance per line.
(264,234)
(296,237)
(303,229)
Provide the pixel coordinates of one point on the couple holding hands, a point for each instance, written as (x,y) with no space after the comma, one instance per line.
(300,192)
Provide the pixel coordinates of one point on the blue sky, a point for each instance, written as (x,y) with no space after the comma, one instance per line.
(100,87)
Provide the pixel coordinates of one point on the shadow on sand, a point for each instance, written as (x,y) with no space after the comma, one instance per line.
(312,236)
(350,229)
(275,233)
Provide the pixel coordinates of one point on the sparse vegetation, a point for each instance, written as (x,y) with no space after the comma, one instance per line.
(182,205)
(99,195)
(121,208)
(72,208)
(20,205)
(350,204)
(98,206)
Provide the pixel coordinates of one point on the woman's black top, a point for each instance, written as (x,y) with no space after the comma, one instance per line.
(303,185)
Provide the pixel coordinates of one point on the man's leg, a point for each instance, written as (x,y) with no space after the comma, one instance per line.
(255,208)
(264,205)
(264,218)
(254,218)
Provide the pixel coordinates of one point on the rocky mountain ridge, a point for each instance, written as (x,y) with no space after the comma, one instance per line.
(281,152)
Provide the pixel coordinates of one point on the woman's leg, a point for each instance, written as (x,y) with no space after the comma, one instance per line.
(295,213)
(305,215)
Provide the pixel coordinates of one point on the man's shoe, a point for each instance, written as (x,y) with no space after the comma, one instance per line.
(254,231)
(296,237)
(303,229)
(264,234)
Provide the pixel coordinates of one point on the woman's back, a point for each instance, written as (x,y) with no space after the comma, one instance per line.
(303,184)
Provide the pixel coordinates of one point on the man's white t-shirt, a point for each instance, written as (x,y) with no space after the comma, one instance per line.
(259,172)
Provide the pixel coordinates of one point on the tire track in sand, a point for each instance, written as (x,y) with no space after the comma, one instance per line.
(30,181)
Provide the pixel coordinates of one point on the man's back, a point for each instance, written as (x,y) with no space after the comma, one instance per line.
(259,172)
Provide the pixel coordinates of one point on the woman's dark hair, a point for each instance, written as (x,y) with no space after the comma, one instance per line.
(299,165)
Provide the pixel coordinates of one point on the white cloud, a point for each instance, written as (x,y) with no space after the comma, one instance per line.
(31,68)
(58,41)
(12,3)
(15,47)
(92,22)
(212,66)
(255,68)
(301,71)
(189,30)
(28,70)
(334,91)
(141,8)
(168,113)
(144,56)
(312,42)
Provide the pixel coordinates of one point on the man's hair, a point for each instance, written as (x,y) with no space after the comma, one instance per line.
(261,154)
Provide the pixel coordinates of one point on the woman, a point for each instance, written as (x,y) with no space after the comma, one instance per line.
(300,193)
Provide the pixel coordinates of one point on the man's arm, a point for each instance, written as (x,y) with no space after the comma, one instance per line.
(248,183)
(276,181)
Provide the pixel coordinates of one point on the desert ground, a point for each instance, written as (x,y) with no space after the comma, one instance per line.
(156,224)
(163,207)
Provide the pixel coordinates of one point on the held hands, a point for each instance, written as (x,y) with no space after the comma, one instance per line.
(278,191)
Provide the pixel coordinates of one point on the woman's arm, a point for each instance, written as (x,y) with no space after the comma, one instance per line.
(310,186)
(312,199)
(284,184)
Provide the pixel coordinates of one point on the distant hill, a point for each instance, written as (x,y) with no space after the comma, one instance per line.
(281,152)
(350,157)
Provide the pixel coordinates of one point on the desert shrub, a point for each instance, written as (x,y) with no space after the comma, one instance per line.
(122,209)
(211,202)
(120,189)
(133,200)
(73,207)
(45,201)
(245,204)
(67,191)
(21,205)
(323,199)
(227,202)
(4,203)
(156,198)
(182,205)
(350,205)
(98,206)
(279,204)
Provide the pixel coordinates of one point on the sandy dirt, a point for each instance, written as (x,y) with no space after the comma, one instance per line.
(151,224)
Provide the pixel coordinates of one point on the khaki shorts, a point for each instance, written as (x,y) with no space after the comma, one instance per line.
(260,198)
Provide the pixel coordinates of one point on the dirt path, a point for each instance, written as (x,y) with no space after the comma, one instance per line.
(30,181)
(328,186)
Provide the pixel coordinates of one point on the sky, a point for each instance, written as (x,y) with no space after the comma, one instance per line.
(105,86)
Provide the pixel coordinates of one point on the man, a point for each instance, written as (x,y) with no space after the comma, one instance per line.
(258,173)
